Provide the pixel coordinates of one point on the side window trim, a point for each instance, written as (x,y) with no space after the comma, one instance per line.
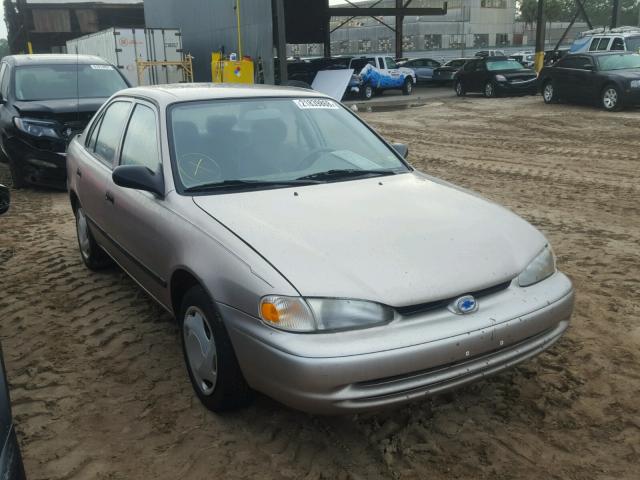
(126,130)
(116,155)
(5,75)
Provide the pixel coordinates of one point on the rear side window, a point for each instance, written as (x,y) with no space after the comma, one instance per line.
(140,146)
(91,141)
(470,66)
(4,80)
(604,43)
(110,131)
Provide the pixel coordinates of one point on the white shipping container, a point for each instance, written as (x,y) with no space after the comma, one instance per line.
(122,46)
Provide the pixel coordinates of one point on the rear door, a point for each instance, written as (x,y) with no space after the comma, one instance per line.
(95,164)
(135,217)
(564,76)
(467,75)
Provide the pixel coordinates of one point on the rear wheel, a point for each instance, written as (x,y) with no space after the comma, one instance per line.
(459,88)
(211,361)
(92,254)
(549,93)
(610,98)
(367,92)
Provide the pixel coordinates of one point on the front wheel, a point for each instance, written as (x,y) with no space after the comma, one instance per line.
(211,361)
(489,90)
(407,88)
(610,98)
(460,91)
(549,93)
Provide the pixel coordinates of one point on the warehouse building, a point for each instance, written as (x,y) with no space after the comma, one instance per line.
(47,24)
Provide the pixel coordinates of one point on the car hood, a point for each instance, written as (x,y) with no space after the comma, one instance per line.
(629,73)
(399,240)
(83,108)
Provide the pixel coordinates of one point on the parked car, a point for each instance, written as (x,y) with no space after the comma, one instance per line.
(490,53)
(609,79)
(446,72)
(604,39)
(526,59)
(423,68)
(301,254)
(374,75)
(44,101)
(11,467)
(495,76)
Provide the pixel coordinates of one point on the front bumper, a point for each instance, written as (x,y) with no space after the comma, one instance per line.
(515,88)
(407,359)
(38,166)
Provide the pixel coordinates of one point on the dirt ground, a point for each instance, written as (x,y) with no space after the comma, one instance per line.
(100,390)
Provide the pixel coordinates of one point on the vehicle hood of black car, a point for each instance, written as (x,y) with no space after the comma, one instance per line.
(629,73)
(50,109)
(516,74)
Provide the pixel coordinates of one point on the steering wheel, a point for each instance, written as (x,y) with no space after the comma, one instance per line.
(311,157)
(198,167)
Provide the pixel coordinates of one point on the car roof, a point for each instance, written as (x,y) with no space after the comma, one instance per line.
(49,59)
(189,92)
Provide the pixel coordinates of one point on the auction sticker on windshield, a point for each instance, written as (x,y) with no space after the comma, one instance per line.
(307,103)
(102,67)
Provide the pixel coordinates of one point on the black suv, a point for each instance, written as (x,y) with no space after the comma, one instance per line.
(495,76)
(44,101)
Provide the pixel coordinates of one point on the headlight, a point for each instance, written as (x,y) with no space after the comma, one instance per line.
(541,267)
(501,78)
(322,314)
(635,83)
(36,128)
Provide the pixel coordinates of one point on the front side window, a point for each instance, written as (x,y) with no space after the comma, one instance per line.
(108,139)
(633,44)
(391,63)
(63,82)
(500,65)
(272,140)
(604,43)
(140,146)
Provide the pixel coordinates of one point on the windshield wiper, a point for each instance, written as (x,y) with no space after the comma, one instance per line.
(229,184)
(346,173)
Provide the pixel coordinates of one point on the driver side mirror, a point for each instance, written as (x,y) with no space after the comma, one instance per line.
(5,199)
(139,178)
(402,149)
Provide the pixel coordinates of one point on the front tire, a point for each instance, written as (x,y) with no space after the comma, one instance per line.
(549,93)
(459,88)
(407,88)
(209,356)
(610,99)
(93,256)
(490,90)
(17,176)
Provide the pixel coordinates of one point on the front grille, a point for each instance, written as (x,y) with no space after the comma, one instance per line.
(425,307)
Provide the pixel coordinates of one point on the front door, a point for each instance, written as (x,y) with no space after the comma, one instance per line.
(135,217)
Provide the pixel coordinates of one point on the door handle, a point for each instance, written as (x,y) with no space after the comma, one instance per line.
(78,172)
(109,197)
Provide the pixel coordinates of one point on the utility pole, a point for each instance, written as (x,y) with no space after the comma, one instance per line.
(399,23)
(540,37)
(615,13)
(281,41)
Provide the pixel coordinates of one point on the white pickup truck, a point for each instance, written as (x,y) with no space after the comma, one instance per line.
(375,74)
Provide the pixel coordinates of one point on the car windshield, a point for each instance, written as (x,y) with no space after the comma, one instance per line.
(619,62)
(58,82)
(455,63)
(229,142)
(499,65)
(633,44)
